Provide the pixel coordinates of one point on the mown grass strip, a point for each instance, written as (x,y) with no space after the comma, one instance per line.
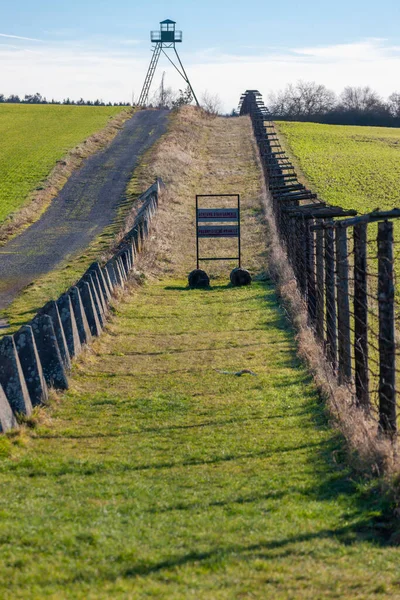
(157,475)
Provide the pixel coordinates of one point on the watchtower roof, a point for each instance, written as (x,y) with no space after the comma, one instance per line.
(168,21)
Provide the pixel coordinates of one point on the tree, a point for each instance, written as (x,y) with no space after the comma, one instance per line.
(211,103)
(184,98)
(394,104)
(304,99)
(362,99)
(165,96)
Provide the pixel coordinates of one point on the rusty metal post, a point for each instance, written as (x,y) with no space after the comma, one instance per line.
(387,355)
(361,316)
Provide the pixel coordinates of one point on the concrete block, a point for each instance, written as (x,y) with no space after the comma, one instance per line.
(31,365)
(51,309)
(12,378)
(125,261)
(68,322)
(102,301)
(110,268)
(107,280)
(96,300)
(7,417)
(103,283)
(89,308)
(118,272)
(122,267)
(135,236)
(85,336)
(49,352)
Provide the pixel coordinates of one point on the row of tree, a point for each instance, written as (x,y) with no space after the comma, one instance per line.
(39,99)
(310,101)
(164,97)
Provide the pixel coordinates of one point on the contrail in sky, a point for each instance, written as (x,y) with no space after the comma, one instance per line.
(18,37)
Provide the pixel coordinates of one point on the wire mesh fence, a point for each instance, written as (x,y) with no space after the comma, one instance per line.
(347,267)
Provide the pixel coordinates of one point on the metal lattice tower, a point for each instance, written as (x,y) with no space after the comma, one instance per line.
(166,38)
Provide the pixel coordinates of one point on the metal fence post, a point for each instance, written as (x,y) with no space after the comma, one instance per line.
(387,358)
(320,293)
(343,306)
(310,268)
(361,315)
(331,332)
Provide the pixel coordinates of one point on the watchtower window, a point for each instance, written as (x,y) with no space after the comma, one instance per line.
(167,27)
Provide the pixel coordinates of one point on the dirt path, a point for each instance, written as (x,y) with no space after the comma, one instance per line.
(88,202)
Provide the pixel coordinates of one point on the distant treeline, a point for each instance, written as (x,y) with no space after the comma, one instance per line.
(39,99)
(309,101)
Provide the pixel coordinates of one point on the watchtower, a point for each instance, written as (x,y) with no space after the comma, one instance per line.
(164,39)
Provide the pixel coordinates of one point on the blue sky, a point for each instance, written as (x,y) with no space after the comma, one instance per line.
(101,49)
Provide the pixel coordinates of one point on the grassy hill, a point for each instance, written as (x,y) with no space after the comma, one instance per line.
(33,138)
(354,167)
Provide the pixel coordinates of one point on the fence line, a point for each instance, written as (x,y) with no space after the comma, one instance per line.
(38,356)
(346,269)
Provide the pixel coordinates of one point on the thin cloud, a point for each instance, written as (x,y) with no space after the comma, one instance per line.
(19,37)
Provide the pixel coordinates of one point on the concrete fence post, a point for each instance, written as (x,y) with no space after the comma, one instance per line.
(96,300)
(68,322)
(121,269)
(51,309)
(49,352)
(12,378)
(82,324)
(110,268)
(31,365)
(118,273)
(125,261)
(7,417)
(89,308)
(102,300)
(95,267)
(107,279)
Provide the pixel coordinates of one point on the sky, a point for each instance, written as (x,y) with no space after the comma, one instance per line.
(97,49)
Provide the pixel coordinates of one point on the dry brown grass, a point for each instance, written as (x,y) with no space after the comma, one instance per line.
(39,200)
(202,155)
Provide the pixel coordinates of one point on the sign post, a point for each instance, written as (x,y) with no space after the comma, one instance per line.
(228,227)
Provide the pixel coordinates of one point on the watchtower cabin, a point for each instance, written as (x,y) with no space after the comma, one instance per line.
(167,34)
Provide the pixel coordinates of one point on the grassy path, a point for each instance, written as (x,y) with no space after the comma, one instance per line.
(162,474)
(159,476)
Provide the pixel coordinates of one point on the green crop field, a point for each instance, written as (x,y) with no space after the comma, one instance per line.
(354,167)
(33,138)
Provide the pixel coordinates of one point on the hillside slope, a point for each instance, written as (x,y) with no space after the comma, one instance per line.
(354,167)
(33,138)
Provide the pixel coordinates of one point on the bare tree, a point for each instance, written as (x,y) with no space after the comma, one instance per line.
(362,99)
(164,96)
(394,104)
(303,99)
(211,103)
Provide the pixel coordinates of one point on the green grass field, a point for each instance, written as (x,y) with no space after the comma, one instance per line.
(33,138)
(354,167)
(161,474)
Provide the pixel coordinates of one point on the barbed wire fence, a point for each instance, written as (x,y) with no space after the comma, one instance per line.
(346,267)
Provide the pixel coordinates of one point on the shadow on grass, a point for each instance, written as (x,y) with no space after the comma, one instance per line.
(346,536)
